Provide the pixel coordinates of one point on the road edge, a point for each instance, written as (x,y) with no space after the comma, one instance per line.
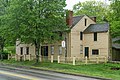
(11,66)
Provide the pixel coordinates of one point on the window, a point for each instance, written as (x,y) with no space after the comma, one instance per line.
(52,49)
(81,49)
(85,22)
(81,35)
(21,50)
(60,49)
(95,52)
(95,36)
(27,50)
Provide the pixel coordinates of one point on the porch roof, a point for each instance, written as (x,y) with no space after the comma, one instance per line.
(101,27)
(116,45)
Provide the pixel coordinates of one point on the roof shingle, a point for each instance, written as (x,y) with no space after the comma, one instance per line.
(102,27)
(76,19)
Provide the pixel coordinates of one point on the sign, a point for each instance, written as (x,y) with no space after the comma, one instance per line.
(63,44)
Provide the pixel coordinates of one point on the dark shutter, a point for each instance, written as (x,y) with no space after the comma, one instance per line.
(81,35)
(85,22)
(95,36)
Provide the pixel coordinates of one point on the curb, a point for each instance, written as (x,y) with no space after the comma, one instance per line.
(9,66)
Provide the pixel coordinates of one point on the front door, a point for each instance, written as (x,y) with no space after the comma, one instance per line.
(87,51)
(44,50)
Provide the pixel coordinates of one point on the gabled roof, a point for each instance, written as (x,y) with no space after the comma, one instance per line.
(76,19)
(102,27)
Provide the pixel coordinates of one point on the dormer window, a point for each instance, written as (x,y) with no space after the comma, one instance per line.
(85,22)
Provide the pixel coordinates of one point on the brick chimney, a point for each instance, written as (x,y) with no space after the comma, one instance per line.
(93,18)
(69,17)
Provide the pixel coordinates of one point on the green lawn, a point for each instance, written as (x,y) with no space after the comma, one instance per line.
(99,70)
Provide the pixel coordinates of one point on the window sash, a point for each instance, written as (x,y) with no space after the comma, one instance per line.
(95,52)
(52,49)
(81,35)
(21,50)
(95,36)
(85,22)
(81,49)
(27,50)
(60,49)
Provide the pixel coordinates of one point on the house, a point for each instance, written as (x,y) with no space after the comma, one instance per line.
(86,38)
(115,49)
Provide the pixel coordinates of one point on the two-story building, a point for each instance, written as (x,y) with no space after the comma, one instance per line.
(86,38)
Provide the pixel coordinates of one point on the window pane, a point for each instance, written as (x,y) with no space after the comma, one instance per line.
(95,52)
(95,36)
(85,22)
(21,50)
(81,49)
(60,49)
(52,49)
(27,50)
(81,35)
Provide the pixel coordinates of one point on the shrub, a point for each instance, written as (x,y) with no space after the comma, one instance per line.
(3,55)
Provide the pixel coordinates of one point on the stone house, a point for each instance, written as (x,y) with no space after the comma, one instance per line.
(86,38)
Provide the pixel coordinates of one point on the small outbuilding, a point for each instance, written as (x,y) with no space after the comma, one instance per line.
(115,49)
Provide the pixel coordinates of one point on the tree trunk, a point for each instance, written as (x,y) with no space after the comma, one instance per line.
(37,51)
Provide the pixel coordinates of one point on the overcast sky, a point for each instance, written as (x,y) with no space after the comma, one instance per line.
(70,3)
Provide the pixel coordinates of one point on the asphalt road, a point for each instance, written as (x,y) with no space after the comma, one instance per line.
(10,73)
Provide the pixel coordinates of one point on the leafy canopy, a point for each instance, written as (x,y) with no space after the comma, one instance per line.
(114,17)
(35,20)
(91,8)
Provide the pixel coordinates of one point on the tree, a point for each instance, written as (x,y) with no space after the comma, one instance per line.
(91,8)
(114,18)
(35,21)
(3,5)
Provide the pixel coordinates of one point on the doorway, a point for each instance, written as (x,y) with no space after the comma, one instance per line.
(87,51)
(44,50)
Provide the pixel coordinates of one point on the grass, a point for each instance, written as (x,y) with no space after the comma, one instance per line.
(99,70)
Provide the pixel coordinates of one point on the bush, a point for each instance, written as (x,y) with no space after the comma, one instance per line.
(3,55)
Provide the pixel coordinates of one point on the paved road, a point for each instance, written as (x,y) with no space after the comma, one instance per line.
(30,74)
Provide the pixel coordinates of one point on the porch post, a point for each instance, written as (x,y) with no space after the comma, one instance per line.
(51,58)
(105,60)
(29,57)
(58,59)
(40,58)
(97,60)
(74,60)
(86,60)
(24,57)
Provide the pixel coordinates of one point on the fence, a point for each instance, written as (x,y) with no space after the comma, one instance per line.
(64,60)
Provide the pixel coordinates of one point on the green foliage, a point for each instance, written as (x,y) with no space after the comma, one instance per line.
(3,55)
(3,5)
(114,18)
(34,21)
(10,49)
(91,8)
